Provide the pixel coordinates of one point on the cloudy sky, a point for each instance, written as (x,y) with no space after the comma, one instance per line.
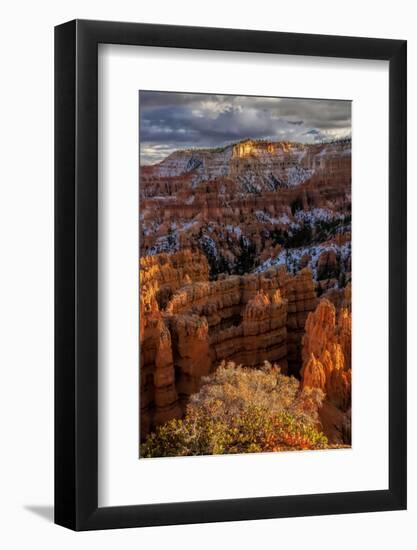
(170,121)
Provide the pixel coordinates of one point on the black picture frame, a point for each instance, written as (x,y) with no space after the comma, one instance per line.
(76,272)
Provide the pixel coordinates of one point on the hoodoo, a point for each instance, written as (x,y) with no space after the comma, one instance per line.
(246,260)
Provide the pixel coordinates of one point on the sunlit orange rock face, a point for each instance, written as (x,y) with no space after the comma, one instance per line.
(247,319)
(245,256)
(339,297)
(327,359)
(299,290)
(327,352)
(162,275)
(252,147)
(215,198)
(157,375)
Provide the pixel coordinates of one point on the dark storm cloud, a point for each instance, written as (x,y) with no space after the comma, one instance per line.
(170,121)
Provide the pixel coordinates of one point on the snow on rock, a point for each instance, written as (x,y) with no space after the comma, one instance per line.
(205,163)
(314,215)
(210,246)
(187,226)
(267,218)
(296,175)
(234,229)
(291,257)
(167,243)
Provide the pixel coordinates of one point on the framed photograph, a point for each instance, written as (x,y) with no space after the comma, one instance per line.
(230,253)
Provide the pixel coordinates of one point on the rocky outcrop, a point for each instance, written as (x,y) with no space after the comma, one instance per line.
(246,319)
(232,202)
(320,330)
(344,332)
(327,365)
(191,353)
(340,297)
(255,164)
(161,275)
(227,306)
(300,293)
(158,393)
(265,149)
(236,243)
(327,265)
(326,353)
(264,332)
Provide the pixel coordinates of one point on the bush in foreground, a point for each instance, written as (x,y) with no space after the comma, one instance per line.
(242,410)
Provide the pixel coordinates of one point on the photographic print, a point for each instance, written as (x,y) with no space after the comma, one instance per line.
(245,274)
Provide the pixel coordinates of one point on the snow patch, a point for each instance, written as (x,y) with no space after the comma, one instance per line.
(291,257)
(234,229)
(264,217)
(296,175)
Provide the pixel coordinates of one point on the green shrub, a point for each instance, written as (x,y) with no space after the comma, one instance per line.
(242,410)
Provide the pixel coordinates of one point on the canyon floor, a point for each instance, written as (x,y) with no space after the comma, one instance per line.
(245,259)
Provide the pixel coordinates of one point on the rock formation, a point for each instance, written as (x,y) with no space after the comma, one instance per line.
(246,319)
(236,245)
(240,204)
(158,393)
(300,293)
(326,354)
(327,265)
(162,275)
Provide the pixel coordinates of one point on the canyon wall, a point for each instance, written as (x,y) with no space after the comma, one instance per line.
(238,244)
(244,205)
(246,319)
(327,364)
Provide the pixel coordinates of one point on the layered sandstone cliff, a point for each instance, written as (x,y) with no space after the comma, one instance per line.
(160,276)
(326,354)
(241,203)
(158,392)
(246,319)
(299,290)
(256,164)
(237,243)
